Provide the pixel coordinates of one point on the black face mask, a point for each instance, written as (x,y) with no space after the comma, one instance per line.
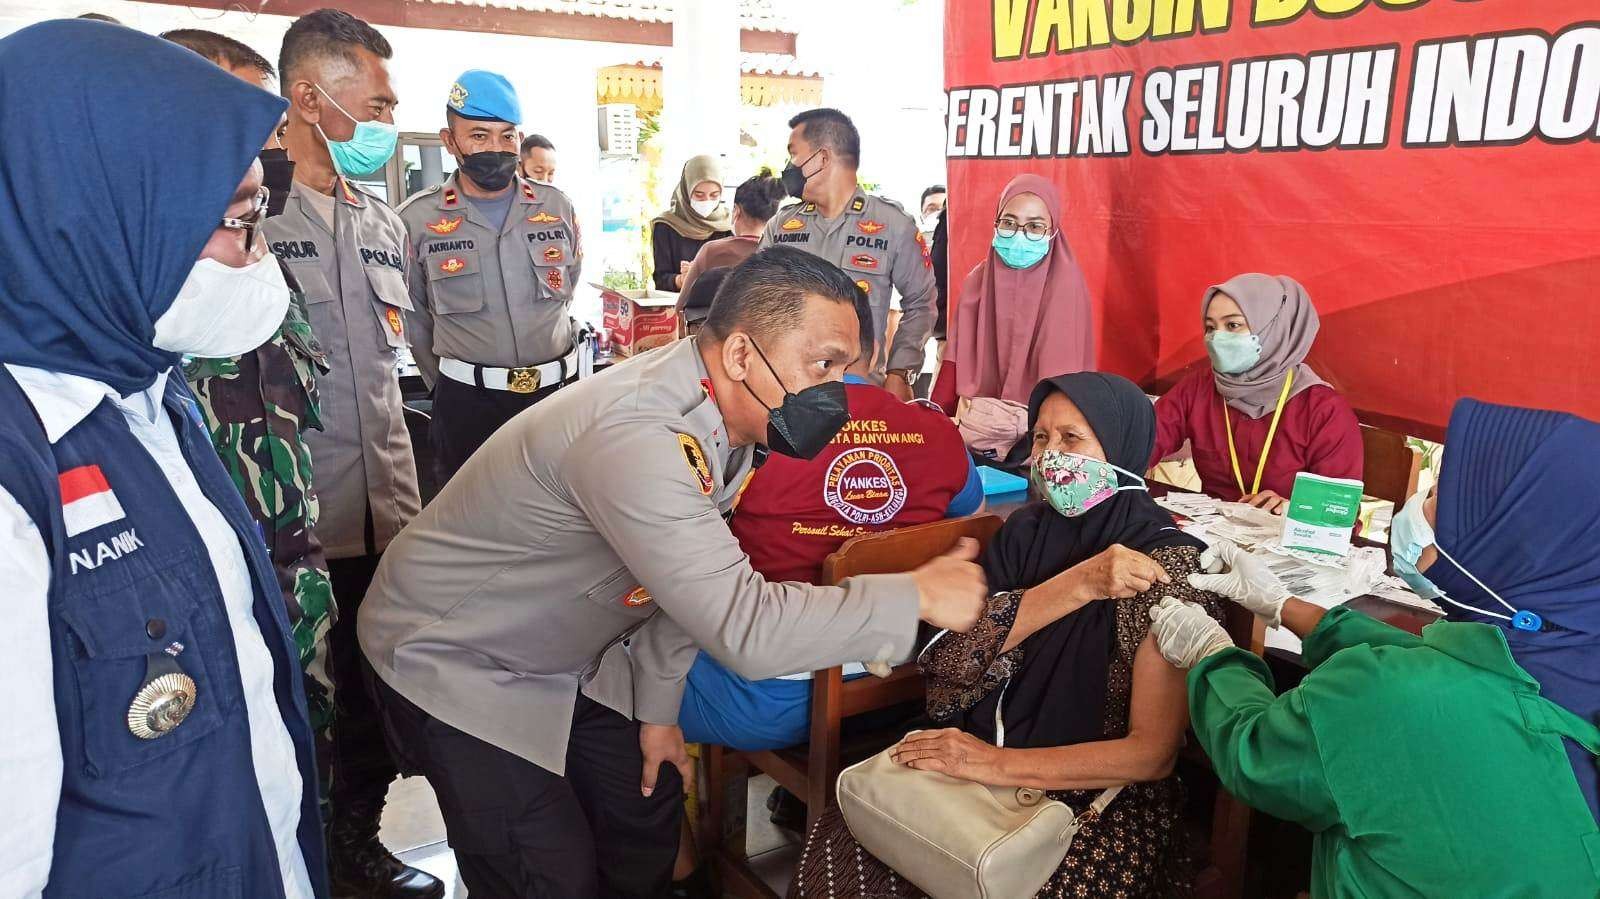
(794,176)
(491,170)
(808,420)
(277,176)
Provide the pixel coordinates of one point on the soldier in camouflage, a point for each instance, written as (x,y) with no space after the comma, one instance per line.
(257,407)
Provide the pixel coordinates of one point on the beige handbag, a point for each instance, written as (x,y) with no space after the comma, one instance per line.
(956,839)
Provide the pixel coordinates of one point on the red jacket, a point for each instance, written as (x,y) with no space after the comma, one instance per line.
(894,464)
(1318,433)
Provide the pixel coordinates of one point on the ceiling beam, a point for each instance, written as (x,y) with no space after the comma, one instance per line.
(492,20)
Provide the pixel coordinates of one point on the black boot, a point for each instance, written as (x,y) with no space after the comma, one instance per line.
(361,868)
(788,812)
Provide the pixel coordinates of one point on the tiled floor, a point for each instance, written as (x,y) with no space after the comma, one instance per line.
(413,830)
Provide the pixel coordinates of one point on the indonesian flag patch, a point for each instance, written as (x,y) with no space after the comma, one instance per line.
(87,501)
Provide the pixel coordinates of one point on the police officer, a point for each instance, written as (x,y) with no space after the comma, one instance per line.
(156,738)
(496,624)
(348,251)
(494,261)
(870,237)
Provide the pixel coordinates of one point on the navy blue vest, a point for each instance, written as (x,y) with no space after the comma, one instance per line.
(179,816)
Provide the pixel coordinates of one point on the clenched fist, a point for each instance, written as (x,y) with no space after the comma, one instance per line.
(952,588)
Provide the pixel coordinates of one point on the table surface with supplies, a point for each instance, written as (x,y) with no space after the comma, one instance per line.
(1360,580)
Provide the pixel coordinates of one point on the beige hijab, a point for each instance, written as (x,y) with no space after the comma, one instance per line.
(1281,316)
(681,217)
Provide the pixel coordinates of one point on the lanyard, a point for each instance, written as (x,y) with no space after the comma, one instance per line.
(1272,431)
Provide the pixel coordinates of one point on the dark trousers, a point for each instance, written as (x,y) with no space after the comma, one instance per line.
(521,832)
(362,768)
(464,416)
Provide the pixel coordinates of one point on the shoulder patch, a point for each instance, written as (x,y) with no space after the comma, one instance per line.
(696,457)
(425,192)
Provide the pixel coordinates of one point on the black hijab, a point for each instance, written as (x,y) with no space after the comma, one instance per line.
(1057,696)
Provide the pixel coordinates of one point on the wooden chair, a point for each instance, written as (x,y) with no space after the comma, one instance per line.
(810,771)
(1390,466)
(1223,875)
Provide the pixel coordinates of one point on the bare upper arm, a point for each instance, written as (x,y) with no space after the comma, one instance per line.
(1158,710)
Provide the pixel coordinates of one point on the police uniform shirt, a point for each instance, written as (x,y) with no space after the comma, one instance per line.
(355,287)
(593,516)
(30,777)
(487,293)
(878,245)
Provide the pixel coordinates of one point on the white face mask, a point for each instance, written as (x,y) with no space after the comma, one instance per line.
(224,311)
(704,208)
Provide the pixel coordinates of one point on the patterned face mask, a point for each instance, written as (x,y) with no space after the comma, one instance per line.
(1074,484)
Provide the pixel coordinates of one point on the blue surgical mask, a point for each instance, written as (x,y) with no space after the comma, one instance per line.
(1232,353)
(1019,250)
(366,151)
(1410,534)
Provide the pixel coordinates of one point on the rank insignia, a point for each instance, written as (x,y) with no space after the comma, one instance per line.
(696,458)
(553,254)
(858,204)
(868,226)
(705,387)
(636,597)
(862,260)
(458,96)
(808,209)
(543,218)
(554,278)
(866,288)
(392,316)
(451,198)
(349,193)
(446,224)
(793,225)
(452,265)
(527,192)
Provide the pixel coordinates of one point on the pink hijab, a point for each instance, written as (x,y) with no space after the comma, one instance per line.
(1016,327)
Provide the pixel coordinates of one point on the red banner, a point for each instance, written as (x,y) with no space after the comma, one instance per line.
(1429,169)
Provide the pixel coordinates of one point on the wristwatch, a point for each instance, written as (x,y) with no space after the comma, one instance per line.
(908,375)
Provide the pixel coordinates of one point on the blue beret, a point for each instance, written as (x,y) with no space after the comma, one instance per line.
(485,96)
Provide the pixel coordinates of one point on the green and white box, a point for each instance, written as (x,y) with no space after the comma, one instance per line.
(1322,513)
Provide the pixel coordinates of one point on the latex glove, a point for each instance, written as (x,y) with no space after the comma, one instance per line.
(1243,578)
(1185,633)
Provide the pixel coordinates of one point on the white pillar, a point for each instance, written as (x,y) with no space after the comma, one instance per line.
(700,102)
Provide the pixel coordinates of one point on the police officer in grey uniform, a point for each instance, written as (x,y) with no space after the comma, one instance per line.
(348,251)
(870,237)
(532,629)
(494,263)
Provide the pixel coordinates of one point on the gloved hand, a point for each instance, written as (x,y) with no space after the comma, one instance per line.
(1185,633)
(1243,578)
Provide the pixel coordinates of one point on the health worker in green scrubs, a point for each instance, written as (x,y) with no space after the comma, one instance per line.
(1460,763)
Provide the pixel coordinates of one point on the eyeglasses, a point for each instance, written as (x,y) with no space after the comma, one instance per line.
(1008,227)
(250,222)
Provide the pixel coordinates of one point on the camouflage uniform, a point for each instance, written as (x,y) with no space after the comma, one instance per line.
(257,407)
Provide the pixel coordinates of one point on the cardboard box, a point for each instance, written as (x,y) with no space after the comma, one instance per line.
(638,320)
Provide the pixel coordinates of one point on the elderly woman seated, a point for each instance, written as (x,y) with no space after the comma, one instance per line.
(1089,702)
